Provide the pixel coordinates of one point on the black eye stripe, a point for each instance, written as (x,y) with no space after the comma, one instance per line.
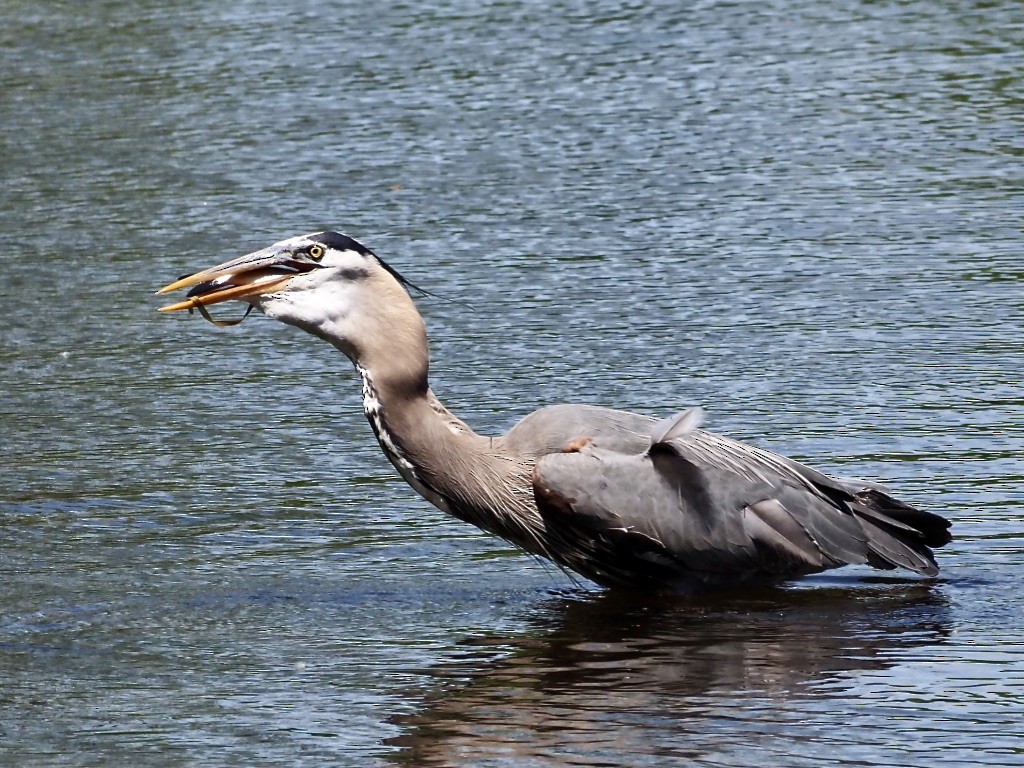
(340,242)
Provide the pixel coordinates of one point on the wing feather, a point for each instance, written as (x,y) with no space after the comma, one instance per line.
(772,524)
(699,508)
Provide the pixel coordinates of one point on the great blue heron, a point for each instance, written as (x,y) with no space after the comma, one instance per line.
(621,498)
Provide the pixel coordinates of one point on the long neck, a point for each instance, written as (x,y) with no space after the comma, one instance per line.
(449,464)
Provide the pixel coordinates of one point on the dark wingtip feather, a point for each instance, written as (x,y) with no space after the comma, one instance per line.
(897,550)
(933,529)
(898,533)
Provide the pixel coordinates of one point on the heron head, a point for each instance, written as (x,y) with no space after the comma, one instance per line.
(325,283)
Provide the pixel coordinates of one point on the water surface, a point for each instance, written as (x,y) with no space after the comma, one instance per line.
(805,219)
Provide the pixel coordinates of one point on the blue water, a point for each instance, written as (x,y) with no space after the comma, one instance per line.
(805,219)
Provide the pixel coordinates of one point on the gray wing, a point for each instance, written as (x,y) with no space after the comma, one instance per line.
(698,509)
(550,429)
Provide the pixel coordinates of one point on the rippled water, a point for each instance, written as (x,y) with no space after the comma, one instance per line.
(804,217)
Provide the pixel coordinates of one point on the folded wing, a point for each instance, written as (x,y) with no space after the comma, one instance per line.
(698,509)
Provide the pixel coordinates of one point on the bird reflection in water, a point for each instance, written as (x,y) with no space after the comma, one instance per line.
(598,678)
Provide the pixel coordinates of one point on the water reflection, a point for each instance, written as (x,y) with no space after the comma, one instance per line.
(601,676)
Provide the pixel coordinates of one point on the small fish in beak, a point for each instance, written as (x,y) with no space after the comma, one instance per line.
(251,275)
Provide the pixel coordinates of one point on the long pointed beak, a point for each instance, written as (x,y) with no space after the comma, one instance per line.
(255,273)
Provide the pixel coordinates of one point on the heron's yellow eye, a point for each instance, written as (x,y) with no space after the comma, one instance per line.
(316,252)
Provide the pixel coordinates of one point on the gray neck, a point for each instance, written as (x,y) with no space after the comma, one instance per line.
(463,473)
(451,466)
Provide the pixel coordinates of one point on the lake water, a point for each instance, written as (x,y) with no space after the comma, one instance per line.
(804,217)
